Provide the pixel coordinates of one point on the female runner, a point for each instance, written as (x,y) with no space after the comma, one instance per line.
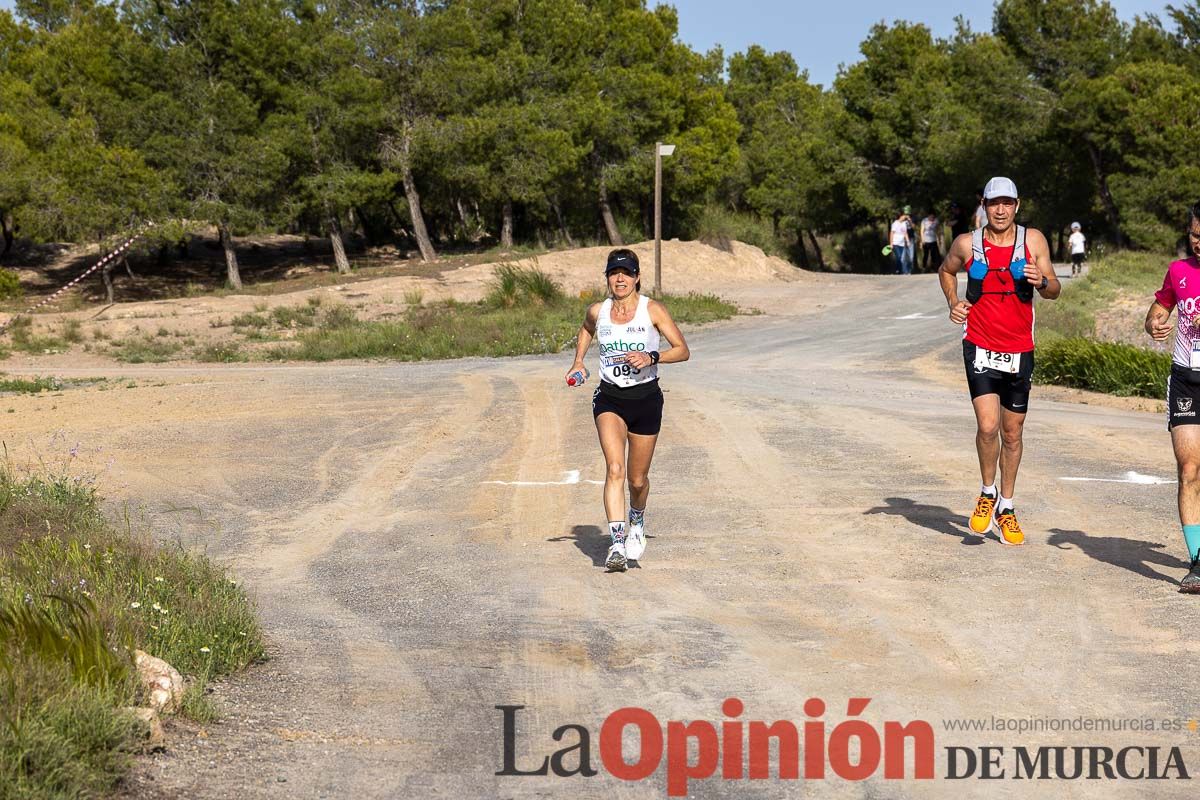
(628,402)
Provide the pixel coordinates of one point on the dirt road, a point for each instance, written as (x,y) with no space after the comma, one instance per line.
(807,511)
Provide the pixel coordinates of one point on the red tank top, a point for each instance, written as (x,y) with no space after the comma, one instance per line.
(1000,322)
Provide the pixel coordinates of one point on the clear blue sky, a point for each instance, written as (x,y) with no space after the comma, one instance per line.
(822,35)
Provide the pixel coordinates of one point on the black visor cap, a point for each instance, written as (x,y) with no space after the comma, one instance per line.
(625,261)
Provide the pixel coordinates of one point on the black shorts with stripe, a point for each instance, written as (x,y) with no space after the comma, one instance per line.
(1183,397)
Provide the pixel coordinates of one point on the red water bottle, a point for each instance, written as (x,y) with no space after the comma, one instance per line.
(578,377)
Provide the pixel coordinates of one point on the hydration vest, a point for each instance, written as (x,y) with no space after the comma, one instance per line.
(1016,267)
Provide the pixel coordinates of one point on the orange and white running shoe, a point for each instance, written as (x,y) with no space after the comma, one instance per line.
(981,520)
(1010,529)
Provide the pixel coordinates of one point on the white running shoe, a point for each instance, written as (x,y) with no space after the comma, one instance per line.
(616,561)
(635,542)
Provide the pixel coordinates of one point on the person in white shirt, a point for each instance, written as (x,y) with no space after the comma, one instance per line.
(901,244)
(981,217)
(929,242)
(1078,245)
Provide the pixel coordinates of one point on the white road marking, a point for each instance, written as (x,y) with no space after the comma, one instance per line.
(570,478)
(917,315)
(1130,477)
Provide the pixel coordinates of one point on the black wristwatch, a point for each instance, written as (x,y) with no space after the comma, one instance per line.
(1045,282)
(654,357)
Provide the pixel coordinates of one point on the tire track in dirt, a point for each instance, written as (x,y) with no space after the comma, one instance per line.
(353,665)
(370,501)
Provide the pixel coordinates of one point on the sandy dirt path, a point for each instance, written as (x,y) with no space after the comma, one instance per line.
(808,520)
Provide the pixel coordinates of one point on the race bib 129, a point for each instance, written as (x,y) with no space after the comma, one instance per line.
(1001,362)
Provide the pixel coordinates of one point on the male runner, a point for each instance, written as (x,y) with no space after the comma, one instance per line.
(1005,263)
(1181,291)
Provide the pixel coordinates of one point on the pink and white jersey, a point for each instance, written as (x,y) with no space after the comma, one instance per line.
(1181,291)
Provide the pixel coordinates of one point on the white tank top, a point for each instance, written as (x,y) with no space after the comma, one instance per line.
(619,340)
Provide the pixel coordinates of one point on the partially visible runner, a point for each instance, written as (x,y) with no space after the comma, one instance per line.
(1181,291)
(628,403)
(1005,262)
(1078,245)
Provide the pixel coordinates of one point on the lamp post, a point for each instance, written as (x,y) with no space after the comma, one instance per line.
(660,150)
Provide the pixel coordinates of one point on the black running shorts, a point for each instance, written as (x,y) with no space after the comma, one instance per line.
(642,415)
(1183,397)
(1077,259)
(1013,387)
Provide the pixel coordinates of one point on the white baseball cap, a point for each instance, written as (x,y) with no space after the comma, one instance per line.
(1000,187)
(1075,226)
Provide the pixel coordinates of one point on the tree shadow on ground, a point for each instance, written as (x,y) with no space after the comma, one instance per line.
(1134,555)
(938,519)
(593,543)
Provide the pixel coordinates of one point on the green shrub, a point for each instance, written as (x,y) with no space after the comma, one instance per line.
(10,284)
(505,286)
(144,349)
(511,285)
(630,227)
(338,317)
(718,226)
(33,385)
(65,630)
(24,339)
(697,309)
(296,316)
(221,353)
(539,287)
(59,739)
(77,594)
(250,321)
(1110,367)
(72,331)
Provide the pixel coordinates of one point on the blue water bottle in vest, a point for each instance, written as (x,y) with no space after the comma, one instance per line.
(1016,268)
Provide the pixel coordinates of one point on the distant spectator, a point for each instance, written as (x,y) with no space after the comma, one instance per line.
(911,252)
(901,244)
(1078,245)
(929,242)
(980,212)
(958,221)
